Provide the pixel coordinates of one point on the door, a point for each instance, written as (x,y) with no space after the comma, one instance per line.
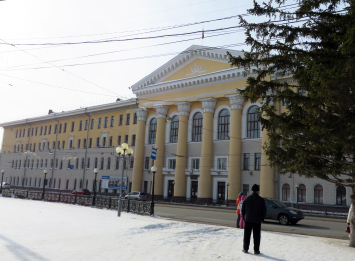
(171,188)
(194,186)
(221,193)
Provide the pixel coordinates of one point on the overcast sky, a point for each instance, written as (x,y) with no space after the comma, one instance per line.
(36,75)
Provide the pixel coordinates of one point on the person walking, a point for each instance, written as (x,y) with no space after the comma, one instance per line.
(238,210)
(350,216)
(242,223)
(253,213)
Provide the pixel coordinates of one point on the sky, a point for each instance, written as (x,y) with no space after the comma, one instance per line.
(70,232)
(46,62)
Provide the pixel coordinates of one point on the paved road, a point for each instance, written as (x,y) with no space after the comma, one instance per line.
(311,225)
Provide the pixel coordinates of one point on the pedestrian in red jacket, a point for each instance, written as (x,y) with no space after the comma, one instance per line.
(238,210)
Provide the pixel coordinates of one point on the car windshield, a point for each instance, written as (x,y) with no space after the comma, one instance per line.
(279,203)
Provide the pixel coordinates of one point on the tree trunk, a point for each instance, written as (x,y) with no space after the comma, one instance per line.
(352,221)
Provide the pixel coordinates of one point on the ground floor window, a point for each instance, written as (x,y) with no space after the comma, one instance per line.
(285,192)
(318,194)
(341,196)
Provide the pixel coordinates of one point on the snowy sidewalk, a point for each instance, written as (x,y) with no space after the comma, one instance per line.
(35,230)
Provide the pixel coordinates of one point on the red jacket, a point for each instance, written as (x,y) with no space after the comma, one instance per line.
(238,201)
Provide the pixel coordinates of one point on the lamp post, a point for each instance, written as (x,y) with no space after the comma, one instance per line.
(44,182)
(227,194)
(94,199)
(123,150)
(154,170)
(297,196)
(2,177)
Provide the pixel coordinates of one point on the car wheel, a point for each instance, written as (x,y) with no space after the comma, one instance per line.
(293,222)
(283,219)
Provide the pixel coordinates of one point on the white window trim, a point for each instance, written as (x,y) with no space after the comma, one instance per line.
(190,163)
(192,113)
(71,138)
(244,120)
(167,163)
(215,120)
(215,188)
(216,163)
(168,127)
(103,135)
(166,184)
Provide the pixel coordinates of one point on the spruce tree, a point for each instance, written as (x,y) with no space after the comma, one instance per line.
(314,42)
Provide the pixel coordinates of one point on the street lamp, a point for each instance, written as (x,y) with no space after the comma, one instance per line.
(154,170)
(227,194)
(124,150)
(94,200)
(2,177)
(44,182)
(297,196)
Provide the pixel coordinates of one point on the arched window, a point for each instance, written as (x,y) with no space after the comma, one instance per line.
(61,164)
(82,163)
(41,163)
(318,194)
(81,184)
(223,124)
(24,164)
(88,163)
(37,165)
(74,187)
(95,163)
(32,163)
(108,162)
(102,163)
(68,164)
(253,125)
(174,129)
(197,125)
(285,192)
(152,130)
(302,193)
(28,163)
(341,195)
(16,165)
(56,163)
(46,163)
(52,163)
(117,163)
(77,163)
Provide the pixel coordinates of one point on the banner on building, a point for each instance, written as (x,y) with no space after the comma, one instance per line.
(114,182)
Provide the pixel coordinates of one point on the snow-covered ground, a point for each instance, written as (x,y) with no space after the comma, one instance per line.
(35,230)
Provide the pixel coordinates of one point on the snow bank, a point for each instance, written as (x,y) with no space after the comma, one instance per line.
(36,230)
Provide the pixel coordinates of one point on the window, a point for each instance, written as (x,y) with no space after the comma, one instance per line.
(285,192)
(41,163)
(253,125)
(246,159)
(49,129)
(67,184)
(108,163)
(63,144)
(68,164)
(128,117)
(84,143)
(132,162)
(135,118)
(257,161)
(32,163)
(195,163)
(56,163)
(59,181)
(103,142)
(222,163)
(80,125)
(99,123)
(77,163)
(102,163)
(82,163)
(197,127)
(223,124)
(105,122)
(152,130)
(126,138)
(174,129)
(112,121)
(16,133)
(146,163)
(90,142)
(318,194)
(95,163)
(301,92)
(36,131)
(72,126)
(46,163)
(32,131)
(45,130)
(302,193)
(86,124)
(117,163)
(40,131)
(60,128)
(119,140)
(88,163)
(97,142)
(133,143)
(110,141)
(341,196)
(58,145)
(78,145)
(171,163)
(70,144)
(55,128)
(92,124)
(65,127)
(53,145)
(61,164)
(120,121)
(246,189)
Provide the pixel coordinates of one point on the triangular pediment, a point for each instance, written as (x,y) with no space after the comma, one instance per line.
(194,61)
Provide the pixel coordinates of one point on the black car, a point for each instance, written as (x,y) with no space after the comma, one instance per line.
(277,210)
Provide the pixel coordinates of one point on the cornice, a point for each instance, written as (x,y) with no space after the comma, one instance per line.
(191,53)
(102,108)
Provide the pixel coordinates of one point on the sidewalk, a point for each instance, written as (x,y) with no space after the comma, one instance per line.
(36,230)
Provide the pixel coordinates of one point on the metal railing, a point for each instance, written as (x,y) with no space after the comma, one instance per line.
(137,207)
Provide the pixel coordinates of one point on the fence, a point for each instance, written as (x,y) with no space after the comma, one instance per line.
(137,207)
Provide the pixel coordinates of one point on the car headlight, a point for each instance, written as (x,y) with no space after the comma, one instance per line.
(293,212)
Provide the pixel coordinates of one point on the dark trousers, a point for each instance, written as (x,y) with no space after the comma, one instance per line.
(256,227)
(238,221)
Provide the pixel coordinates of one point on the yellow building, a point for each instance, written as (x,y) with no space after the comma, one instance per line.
(208,138)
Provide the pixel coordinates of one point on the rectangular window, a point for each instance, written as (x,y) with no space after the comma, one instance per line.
(135,118)
(23,133)
(49,129)
(70,144)
(41,130)
(48,145)
(146,163)
(63,144)
(257,161)
(91,124)
(105,122)
(36,131)
(60,128)
(246,159)
(133,140)
(172,164)
(34,147)
(79,141)
(104,142)
(55,128)
(119,140)
(110,141)
(84,143)
(222,163)
(45,130)
(301,91)
(90,142)
(80,125)
(99,123)
(112,121)
(32,131)
(65,127)
(86,124)
(58,145)
(246,189)
(125,138)
(72,126)
(31,147)
(16,133)
(195,164)
(120,121)
(128,116)
(53,145)
(26,146)
(97,142)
